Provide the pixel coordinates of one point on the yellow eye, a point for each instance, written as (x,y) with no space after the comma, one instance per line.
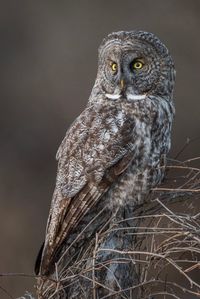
(137,65)
(114,66)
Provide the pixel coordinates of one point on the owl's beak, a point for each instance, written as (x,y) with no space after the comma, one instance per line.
(122,85)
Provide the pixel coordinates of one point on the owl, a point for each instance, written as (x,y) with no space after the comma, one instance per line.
(114,152)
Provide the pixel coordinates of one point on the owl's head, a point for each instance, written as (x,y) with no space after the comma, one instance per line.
(133,65)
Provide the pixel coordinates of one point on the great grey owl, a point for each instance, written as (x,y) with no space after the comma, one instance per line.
(114,152)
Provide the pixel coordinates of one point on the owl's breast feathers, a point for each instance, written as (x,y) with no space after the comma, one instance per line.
(99,146)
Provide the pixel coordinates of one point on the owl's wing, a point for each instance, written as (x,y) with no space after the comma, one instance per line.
(98,147)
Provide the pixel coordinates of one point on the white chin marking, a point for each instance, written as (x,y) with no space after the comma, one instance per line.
(136,97)
(130,97)
(113,96)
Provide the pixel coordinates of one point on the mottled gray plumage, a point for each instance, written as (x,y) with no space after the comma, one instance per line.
(114,152)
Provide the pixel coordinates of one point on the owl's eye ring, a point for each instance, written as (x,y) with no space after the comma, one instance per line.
(137,64)
(114,66)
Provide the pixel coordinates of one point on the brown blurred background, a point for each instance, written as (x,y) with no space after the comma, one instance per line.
(48,61)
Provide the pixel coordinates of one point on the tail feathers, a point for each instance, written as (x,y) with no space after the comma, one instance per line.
(38,260)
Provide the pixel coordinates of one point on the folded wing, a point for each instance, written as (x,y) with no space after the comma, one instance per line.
(98,147)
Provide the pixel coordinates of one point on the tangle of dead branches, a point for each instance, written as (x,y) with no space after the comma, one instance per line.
(152,253)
